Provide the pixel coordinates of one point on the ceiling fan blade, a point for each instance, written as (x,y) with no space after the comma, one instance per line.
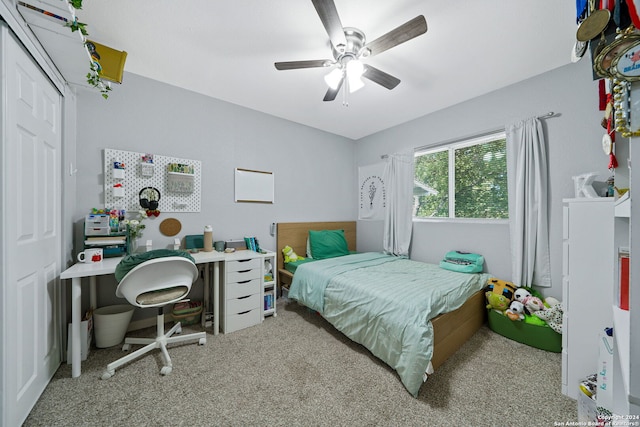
(380,77)
(332,93)
(292,65)
(403,33)
(331,20)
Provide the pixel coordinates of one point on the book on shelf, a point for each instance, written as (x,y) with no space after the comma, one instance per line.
(268,302)
(252,244)
(623,286)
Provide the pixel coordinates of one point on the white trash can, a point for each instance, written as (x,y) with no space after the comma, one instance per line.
(110,324)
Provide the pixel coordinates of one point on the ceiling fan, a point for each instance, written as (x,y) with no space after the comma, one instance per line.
(349,46)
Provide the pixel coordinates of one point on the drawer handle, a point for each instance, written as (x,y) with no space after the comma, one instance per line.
(243,282)
(244,271)
(244,312)
(244,260)
(244,297)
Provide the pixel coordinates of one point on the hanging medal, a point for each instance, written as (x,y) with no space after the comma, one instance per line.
(609,137)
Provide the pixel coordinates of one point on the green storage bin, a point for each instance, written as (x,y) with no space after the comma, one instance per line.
(542,337)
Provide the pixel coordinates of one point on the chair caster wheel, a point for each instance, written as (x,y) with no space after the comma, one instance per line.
(106,375)
(202,341)
(166,370)
(126,347)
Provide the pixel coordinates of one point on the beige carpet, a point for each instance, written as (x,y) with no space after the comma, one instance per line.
(296,370)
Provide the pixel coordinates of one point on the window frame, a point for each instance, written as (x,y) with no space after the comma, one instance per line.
(451,147)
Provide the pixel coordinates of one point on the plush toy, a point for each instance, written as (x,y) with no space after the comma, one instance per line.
(501,287)
(499,294)
(290,255)
(497,302)
(520,294)
(553,317)
(533,320)
(532,304)
(550,302)
(515,311)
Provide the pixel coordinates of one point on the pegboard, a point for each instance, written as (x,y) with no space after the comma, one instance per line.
(136,178)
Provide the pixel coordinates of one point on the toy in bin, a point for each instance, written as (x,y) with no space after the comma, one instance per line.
(187,312)
(520,314)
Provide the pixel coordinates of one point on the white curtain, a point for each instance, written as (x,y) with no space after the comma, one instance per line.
(398,178)
(528,180)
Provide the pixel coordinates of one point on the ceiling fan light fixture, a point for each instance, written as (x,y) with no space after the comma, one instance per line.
(355,84)
(355,70)
(348,45)
(334,78)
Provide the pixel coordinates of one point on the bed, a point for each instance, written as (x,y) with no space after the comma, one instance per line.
(379,301)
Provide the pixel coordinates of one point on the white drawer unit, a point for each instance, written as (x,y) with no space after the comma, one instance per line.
(241,292)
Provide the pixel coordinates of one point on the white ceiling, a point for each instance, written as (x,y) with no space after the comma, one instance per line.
(226,50)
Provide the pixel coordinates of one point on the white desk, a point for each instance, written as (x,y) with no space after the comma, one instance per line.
(108,266)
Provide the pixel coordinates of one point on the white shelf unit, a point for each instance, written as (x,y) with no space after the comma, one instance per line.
(588,266)
(66,49)
(621,318)
(270,291)
(626,335)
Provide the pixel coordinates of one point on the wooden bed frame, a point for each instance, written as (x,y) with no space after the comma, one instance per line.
(450,330)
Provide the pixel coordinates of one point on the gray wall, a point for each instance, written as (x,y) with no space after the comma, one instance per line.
(310,167)
(574,147)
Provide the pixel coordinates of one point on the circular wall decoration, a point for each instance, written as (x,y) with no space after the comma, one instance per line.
(170,227)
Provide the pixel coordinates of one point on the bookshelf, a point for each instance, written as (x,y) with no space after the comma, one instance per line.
(269,285)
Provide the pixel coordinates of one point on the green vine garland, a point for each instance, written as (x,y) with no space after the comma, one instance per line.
(93,76)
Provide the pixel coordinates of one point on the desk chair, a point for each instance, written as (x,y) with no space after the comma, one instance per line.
(155,283)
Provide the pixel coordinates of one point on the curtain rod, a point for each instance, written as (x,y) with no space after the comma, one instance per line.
(548,115)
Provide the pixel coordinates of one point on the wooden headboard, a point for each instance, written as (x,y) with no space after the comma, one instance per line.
(295,234)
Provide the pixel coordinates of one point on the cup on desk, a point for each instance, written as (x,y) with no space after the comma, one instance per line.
(90,255)
(219,246)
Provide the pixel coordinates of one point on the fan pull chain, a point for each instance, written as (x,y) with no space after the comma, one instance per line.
(345,90)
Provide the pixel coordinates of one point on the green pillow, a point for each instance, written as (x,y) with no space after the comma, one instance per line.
(328,244)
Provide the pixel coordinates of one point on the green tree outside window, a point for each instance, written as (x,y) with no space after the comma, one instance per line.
(467,179)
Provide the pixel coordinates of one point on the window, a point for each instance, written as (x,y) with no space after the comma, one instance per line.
(465,179)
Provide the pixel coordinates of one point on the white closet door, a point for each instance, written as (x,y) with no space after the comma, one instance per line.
(30,229)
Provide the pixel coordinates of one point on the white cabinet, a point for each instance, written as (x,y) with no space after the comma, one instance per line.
(244,292)
(241,293)
(589,259)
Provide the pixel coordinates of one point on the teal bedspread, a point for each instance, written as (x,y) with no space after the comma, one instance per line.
(386,304)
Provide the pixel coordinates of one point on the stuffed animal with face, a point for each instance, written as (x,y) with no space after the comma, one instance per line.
(520,294)
(532,304)
(499,294)
(290,255)
(497,302)
(515,311)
